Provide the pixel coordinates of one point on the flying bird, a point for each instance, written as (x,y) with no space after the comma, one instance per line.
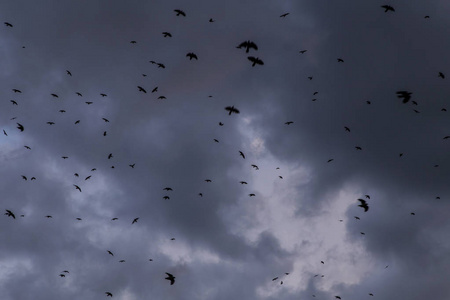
(242,154)
(51,123)
(110,155)
(302,51)
(108,294)
(167,189)
(405,95)
(191,56)
(16,91)
(19,126)
(4,132)
(103,95)
(69,73)
(363,204)
(242,182)
(231,109)
(255,167)
(180,12)
(54,95)
(141,89)
(134,221)
(255,61)
(155,89)
(10,213)
(13,102)
(289,122)
(441,75)
(77,187)
(24,177)
(79,94)
(347,129)
(247,45)
(8,24)
(166,34)
(27,147)
(110,252)
(284,15)
(388,8)
(106,120)
(340,60)
(171,278)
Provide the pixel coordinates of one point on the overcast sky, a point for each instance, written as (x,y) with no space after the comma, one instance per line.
(302,225)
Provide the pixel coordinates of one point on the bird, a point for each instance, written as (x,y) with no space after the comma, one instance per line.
(162,97)
(77,187)
(255,61)
(284,15)
(247,45)
(106,120)
(216,140)
(55,95)
(20,127)
(357,218)
(51,123)
(27,147)
(171,278)
(87,177)
(132,165)
(110,156)
(112,254)
(167,189)
(103,95)
(16,91)
(62,275)
(122,260)
(252,195)
(133,42)
(180,12)
(166,197)
(10,213)
(358,148)
(200,194)
(289,122)
(69,73)
(405,95)
(166,34)
(340,60)
(388,8)
(426,17)
(64,157)
(33,178)
(208,180)
(141,89)
(79,219)
(363,204)
(337,297)
(211,20)
(62,111)
(134,221)
(104,133)
(231,109)
(155,89)
(49,217)
(13,102)
(346,128)
(302,51)
(8,24)
(192,55)
(24,177)
(160,65)
(330,160)
(242,182)
(441,75)
(275,278)
(4,132)
(108,294)
(79,94)
(114,219)
(255,167)
(242,154)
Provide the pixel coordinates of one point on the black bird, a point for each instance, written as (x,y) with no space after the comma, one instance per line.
(162,97)
(247,45)
(79,94)
(8,24)
(167,189)
(255,60)
(252,195)
(303,51)
(68,73)
(191,56)
(330,160)
(388,8)
(110,155)
(106,120)
(62,275)
(142,89)
(24,177)
(405,95)
(133,42)
(13,102)
(49,217)
(103,95)
(216,140)
(166,197)
(28,147)
(441,75)
(64,157)
(231,109)
(358,148)
(114,219)
(347,129)
(220,124)
(10,213)
(284,15)
(155,89)
(19,126)
(180,12)
(242,154)
(54,95)
(340,60)
(208,180)
(166,34)
(171,278)
(88,177)
(132,166)
(51,123)
(17,91)
(108,294)
(255,167)
(289,122)
(112,254)
(242,182)
(77,187)
(4,132)
(161,65)
(363,204)
(134,221)
(211,20)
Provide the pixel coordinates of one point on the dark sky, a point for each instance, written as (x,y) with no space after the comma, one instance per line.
(224,244)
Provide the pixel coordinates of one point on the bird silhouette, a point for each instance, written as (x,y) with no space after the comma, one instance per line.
(363,204)
(20,127)
(171,278)
(340,60)
(13,102)
(8,24)
(112,254)
(242,182)
(255,167)
(192,55)
(16,91)
(108,294)
(289,122)
(167,189)
(284,15)
(247,45)
(388,8)
(79,94)
(231,109)
(255,61)
(10,213)
(347,129)
(441,75)
(134,221)
(242,154)
(106,120)
(208,180)
(24,177)
(302,51)
(77,187)
(141,89)
(180,12)
(103,95)
(166,34)
(405,95)
(4,132)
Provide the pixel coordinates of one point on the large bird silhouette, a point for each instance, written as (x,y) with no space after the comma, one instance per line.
(247,45)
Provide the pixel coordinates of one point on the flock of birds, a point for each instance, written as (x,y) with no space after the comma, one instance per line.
(248,45)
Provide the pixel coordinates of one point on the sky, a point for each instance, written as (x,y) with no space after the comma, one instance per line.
(294,228)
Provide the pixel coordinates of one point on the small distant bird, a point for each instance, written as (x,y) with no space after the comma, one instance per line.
(231,109)
(284,15)
(141,89)
(220,124)
(167,189)
(51,123)
(289,122)
(191,56)
(441,75)
(110,156)
(155,89)
(79,94)
(62,275)
(211,20)
(49,217)
(216,140)
(122,260)
(54,95)
(242,182)
(303,51)
(77,187)
(133,42)
(357,218)
(79,219)
(310,77)
(363,204)
(16,91)
(132,165)
(337,297)
(171,278)
(88,177)
(255,167)
(108,294)
(13,102)
(162,97)
(94,169)
(330,160)
(247,45)
(346,128)
(252,195)
(426,17)
(112,254)
(166,197)
(27,147)
(19,126)
(255,61)
(242,154)
(200,194)
(76,174)
(340,60)
(358,148)
(274,278)
(4,132)
(134,221)
(166,34)
(208,180)
(104,133)
(413,214)
(180,12)
(443,109)
(114,219)
(367,196)
(405,95)
(24,177)
(103,95)
(161,65)
(106,120)
(10,213)
(388,8)
(64,157)
(69,73)
(8,24)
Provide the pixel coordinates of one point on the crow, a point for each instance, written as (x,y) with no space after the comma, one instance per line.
(231,109)
(347,129)
(110,155)
(167,189)
(302,51)
(77,187)
(108,294)
(289,122)
(17,91)
(103,95)
(112,254)
(10,213)
(155,89)
(133,42)
(24,177)
(242,182)
(247,45)
(142,89)
(13,102)
(54,95)
(8,24)
(161,65)
(134,221)
(255,167)
(191,56)
(180,12)
(171,278)
(405,95)
(20,127)
(441,75)
(79,94)
(106,120)
(166,34)
(69,73)
(363,204)
(340,60)
(388,8)
(255,60)
(284,15)
(51,123)
(242,154)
